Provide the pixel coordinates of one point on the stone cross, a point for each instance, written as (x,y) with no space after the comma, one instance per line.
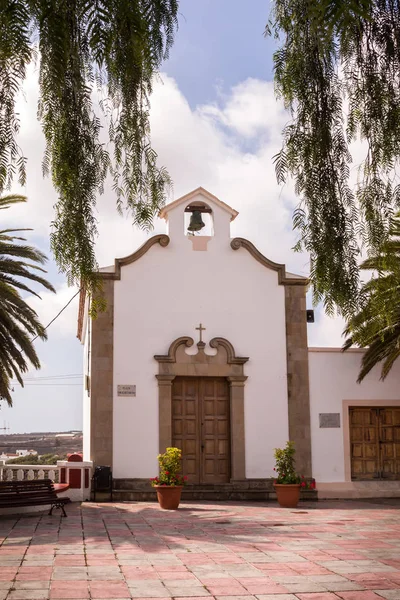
(200,328)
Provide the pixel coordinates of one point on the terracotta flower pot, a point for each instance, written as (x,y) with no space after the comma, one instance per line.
(169,496)
(288,494)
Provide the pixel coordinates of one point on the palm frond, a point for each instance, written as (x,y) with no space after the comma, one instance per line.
(19,323)
(376,325)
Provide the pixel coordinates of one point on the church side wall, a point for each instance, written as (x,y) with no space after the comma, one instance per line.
(333,388)
(165,295)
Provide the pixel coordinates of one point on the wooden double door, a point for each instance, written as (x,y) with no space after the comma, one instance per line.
(201,427)
(375,443)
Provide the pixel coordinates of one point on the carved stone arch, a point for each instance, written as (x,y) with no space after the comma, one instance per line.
(225,363)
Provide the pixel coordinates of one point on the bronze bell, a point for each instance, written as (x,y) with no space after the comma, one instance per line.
(196,222)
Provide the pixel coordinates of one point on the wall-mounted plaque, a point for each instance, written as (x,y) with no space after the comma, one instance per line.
(329,420)
(126,390)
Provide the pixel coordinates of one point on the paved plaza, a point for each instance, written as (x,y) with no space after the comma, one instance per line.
(227,551)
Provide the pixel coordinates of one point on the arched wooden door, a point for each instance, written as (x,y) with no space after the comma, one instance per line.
(201,427)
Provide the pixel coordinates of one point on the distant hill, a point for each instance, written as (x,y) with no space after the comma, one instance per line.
(60,442)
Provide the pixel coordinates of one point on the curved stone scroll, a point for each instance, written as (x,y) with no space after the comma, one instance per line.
(232,359)
(161,239)
(283,278)
(171,356)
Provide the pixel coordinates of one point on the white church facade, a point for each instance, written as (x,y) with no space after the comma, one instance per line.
(203,346)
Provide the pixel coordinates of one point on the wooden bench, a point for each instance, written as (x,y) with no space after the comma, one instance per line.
(33,492)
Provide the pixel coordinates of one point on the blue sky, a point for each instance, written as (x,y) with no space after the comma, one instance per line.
(216,123)
(219,43)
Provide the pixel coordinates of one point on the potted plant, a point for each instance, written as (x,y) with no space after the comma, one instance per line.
(288,483)
(169,483)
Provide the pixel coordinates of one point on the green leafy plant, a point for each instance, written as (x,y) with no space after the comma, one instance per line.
(338,72)
(170,464)
(114,47)
(285,464)
(285,468)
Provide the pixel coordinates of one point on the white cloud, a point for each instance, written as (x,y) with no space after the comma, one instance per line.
(250,109)
(226,147)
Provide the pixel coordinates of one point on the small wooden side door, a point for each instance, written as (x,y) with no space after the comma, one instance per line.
(364,443)
(375,443)
(389,436)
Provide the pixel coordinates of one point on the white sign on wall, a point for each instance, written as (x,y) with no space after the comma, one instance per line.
(126,390)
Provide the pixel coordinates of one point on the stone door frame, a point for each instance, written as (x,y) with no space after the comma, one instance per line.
(225,363)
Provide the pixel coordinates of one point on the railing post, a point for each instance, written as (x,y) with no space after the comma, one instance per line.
(28,472)
(78,475)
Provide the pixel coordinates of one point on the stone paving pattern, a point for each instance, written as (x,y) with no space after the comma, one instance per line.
(226,551)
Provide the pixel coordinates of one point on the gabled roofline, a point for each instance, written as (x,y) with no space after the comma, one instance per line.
(161,239)
(283,279)
(200,190)
(164,240)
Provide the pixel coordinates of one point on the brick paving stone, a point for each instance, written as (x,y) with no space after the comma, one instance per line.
(69,591)
(109,590)
(189,592)
(28,595)
(31,585)
(142,576)
(199,597)
(212,575)
(69,561)
(171,568)
(347,586)
(149,589)
(227,590)
(267,588)
(367,595)
(318,596)
(154,598)
(305,587)
(234,598)
(275,597)
(177,576)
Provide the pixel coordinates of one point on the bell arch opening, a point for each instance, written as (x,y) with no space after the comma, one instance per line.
(198,220)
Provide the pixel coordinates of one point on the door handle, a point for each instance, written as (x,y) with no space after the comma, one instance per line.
(202,447)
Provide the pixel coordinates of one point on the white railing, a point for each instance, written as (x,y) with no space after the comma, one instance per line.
(27,472)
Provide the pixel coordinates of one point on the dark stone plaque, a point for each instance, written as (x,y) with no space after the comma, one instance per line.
(329,420)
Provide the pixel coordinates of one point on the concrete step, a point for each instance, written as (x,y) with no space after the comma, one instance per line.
(245,484)
(202,494)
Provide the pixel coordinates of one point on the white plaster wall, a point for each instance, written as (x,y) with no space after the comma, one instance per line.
(165,295)
(333,379)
